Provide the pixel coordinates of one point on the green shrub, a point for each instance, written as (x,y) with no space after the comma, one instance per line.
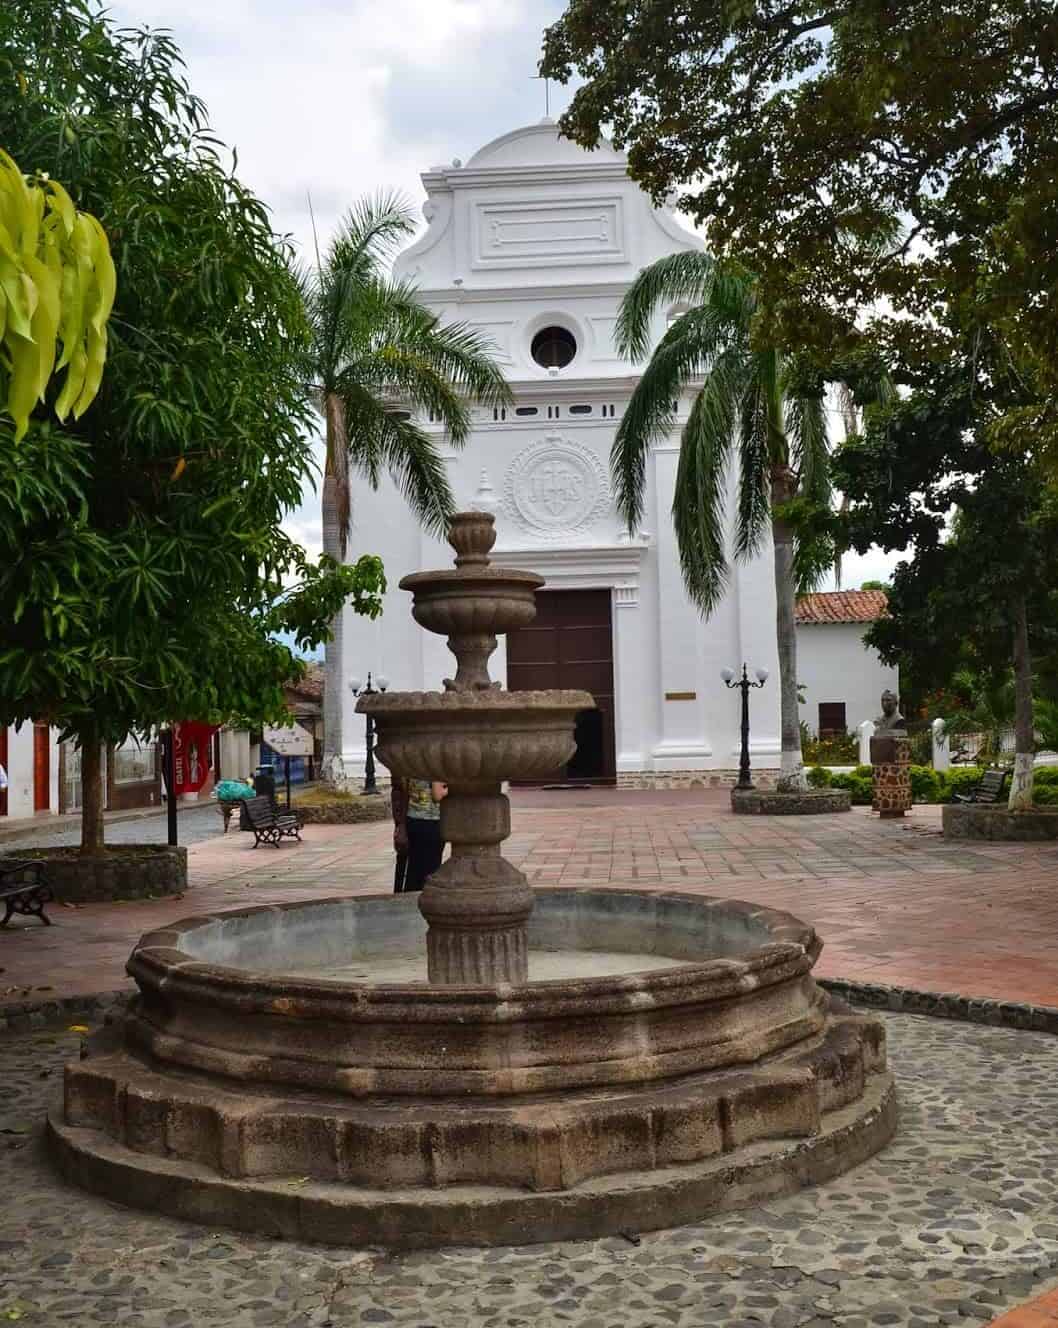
(1045,795)
(959,779)
(860,787)
(819,777)
(829,751)
(1046,776)
(863,772)
(922,747)
(925,784)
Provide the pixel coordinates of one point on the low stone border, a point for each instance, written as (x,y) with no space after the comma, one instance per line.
(770,802)
(946,1005)
(345,812)
(966,820)
(18,1016)
(131,871)
(409,1218)
(21,1016)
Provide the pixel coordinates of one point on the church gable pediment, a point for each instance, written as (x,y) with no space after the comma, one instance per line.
(555,232)
(530,202)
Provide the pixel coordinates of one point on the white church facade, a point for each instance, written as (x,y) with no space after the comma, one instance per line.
(534,242)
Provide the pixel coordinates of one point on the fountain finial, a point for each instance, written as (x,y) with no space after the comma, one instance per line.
(472,535)
(471,602)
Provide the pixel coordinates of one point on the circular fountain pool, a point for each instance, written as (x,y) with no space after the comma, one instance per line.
(702,1070)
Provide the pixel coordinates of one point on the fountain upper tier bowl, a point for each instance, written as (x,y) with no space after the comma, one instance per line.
(475,737)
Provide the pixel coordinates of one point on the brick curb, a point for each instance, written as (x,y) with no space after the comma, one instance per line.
(19,1016)
(1032,1314)
(946,1005)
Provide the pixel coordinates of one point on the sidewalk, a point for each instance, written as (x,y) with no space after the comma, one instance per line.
(19,827)
(893,902)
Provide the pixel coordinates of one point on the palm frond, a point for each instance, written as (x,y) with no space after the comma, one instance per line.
(755,459)
(419,471)
(806,427)
(698,503)
(682,277)
(371,233)
(687,350)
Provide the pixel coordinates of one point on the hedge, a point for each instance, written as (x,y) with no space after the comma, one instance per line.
(929,785)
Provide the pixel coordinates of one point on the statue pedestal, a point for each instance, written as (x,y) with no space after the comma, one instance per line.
(891,770)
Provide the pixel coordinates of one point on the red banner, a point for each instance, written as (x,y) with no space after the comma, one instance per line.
(191,755)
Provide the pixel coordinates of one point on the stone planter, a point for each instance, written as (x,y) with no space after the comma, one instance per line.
(770,802)
(968,821)
(353,811)
(130,871)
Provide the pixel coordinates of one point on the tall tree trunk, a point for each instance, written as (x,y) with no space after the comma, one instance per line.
(92,794)
(1024,728)
(332,770)
(792,772)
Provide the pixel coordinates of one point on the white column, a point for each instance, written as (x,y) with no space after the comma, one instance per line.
(941,747)
(682,743)
(631,686)
(20,771)
(235,754)
(866,732)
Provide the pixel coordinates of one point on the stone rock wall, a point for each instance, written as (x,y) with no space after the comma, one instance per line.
(343,812)
(133,871)
(767,802)
(891,762)
(678,779)
(962,820)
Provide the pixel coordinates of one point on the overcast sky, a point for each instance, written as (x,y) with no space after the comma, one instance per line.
(338,98)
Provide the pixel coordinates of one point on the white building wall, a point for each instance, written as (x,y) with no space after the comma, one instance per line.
(20,771)
(833,664)
(531,232)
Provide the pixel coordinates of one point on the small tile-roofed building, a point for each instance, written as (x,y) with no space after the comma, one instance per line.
(842,679)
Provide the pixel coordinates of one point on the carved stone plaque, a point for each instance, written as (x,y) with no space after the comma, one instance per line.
(556,487)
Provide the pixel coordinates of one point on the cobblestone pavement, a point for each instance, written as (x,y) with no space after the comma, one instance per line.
(952,1224)
(894,902)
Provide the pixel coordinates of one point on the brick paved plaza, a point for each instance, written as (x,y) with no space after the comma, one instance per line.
(893,901)
(956,1222)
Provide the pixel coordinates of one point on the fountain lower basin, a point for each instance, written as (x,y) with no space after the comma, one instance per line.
(417,1114)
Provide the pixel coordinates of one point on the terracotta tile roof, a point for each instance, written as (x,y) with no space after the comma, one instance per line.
(842,606)
(311,685)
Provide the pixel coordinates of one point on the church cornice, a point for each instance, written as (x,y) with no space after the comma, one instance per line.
(470,177)
(576,290)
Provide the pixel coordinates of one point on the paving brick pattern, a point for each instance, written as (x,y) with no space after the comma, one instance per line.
(893,901)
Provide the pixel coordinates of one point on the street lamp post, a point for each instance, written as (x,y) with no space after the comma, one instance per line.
(357,688)
(744,684)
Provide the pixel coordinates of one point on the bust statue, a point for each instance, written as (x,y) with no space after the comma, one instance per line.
(890,721)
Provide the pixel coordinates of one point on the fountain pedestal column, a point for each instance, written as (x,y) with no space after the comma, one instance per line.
(477,905)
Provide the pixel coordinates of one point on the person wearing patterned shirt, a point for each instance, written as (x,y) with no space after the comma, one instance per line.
(419,838)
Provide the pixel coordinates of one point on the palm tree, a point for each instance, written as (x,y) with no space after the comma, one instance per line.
(379,357)
(749,412)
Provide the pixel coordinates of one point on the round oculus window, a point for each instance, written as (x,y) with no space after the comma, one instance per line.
(553,347)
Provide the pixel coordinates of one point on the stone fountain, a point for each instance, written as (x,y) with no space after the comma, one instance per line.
(473,736)
(485,1063)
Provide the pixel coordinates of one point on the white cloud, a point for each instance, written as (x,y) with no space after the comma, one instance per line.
(339,98)
(324,98)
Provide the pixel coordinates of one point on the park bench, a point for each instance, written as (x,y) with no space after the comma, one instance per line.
(24,889)
(268,824)
(988,789)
